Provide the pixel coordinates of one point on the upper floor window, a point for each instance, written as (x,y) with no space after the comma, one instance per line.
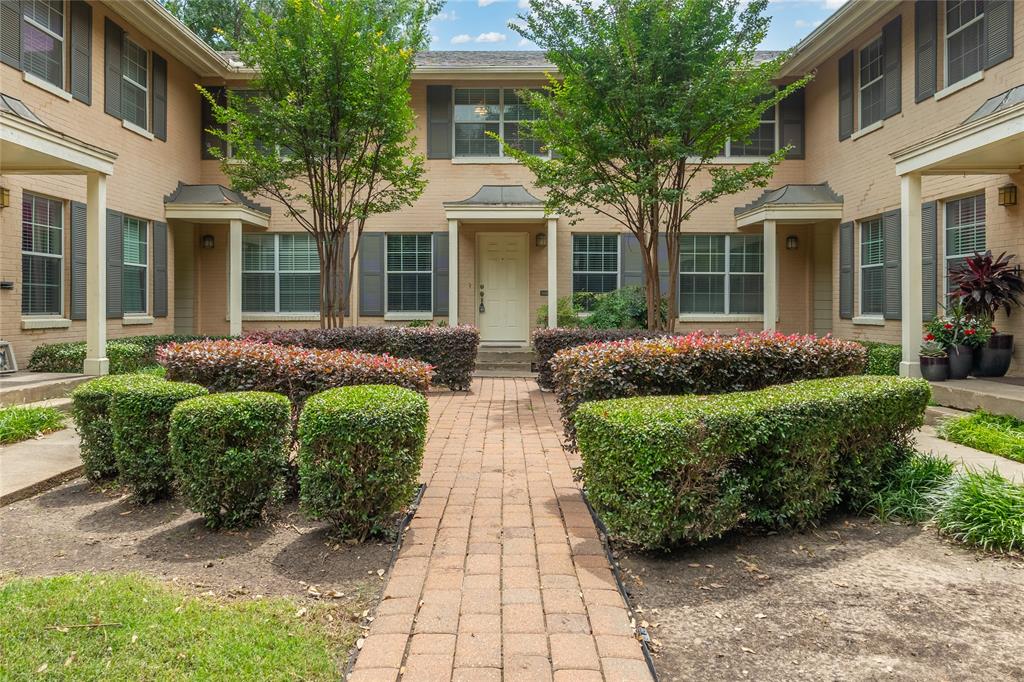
(872,61)
(42,40)
(965,39)
(280,273)
(409,278)
(763,140)
(482,112)
(595,263)
(134,84)
(721,274)
(872,267)
(965,230)
(136,265)
(42,251)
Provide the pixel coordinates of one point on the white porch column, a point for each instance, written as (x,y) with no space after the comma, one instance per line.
(771,276)
(552,273)
(453,272)
(910,285)
(235,280)
(96,362)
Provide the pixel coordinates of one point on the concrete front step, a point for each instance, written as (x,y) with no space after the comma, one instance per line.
(22,388)
(490,355)
(35,465)
(972,394)
(934,415)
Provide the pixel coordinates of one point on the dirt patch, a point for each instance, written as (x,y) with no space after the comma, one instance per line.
(852,600)
(80,527)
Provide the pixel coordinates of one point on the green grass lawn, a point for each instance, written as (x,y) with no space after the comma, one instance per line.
(998,434)
(19,423)
(144,630)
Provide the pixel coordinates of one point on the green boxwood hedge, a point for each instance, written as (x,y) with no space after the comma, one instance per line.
(126,354)
(663,471)
(140,416)
(229,453)
(360,453)
(90,404)
(883,358)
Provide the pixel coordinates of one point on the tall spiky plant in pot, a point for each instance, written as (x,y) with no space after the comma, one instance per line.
(985,285)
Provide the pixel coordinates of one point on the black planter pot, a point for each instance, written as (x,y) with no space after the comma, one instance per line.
(961,360)
(993,359)
(934,369)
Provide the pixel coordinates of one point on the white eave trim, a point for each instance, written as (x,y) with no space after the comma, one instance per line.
(159,25)
(83,156)
(822,42)
(205,213)
(482,71)
(496,213)
(793,213)
(919,157)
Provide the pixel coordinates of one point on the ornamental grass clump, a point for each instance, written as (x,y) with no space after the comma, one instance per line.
(360,453)
(999,434)
(140,416)
(695,363)
(230,454)
(664,471)
(982,509)
(21,422)
(90,409)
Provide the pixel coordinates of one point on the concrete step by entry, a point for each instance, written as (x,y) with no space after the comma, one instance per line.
(502,362)
(21,388)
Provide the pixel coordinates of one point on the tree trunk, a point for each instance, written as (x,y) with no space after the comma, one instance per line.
(673,282)
(331,285)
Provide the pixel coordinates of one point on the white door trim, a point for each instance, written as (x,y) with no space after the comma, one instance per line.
(524,238)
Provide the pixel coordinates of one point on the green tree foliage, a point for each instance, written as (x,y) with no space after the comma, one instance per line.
(326,130)
(220,23)
(648,93)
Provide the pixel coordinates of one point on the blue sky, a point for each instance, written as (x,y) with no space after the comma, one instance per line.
(483,24)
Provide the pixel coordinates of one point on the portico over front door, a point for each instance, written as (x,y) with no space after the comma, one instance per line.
(502,287)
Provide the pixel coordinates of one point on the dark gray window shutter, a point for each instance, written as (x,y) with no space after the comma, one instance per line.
(925,54)
(371,273)
(159,97)
(846,95)
(440,273)
(208,122)
(631,262)
(892,83)
(81,51)
(998,31)
(113,45)
(346,267)
(892,308)
(929,259)
(439,121)
(846,271)
(10,33)
(115,262)
(791,114)
(78,260)
(159,269)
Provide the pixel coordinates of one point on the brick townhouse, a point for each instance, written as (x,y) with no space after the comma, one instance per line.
(908,148)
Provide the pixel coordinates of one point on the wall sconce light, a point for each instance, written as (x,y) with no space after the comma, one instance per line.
(1008,195)
(541,240)
(792,242)
(207,241)
(5,197)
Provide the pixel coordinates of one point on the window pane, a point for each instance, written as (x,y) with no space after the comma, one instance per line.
(134,64)
(298,252)
(871,290)
(471,139)
(960,12)
(409,292)
(133,291)
(300,292)
(134,241)
(762,142)
(964,39)
(40,285)
(746,253)
(473,105)
(409,252)
(965,226)
(595,263)
(872,243)
(42,43)
(410,268)
(42,223)
(257,253)
(702,293)
(702,253)
(517,110)
(746,294)
(258,292)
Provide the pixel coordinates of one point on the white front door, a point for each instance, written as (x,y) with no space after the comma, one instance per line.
(502,287)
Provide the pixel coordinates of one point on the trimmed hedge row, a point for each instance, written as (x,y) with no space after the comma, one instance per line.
(883,358)
(663,471)
(230,454)
(126,354)
(695,363)
(547,342)
(450,350)
(292,371)
(360,453)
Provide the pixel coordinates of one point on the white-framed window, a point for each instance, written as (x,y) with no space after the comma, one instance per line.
(965,231)
(965,39)
(42,40)
(135,84)
(763,141)
(42,255)
(872,267)
(409,273)
(871,59)
(136,265)
(480,112)
(280,273)
(721,274)
(595,263)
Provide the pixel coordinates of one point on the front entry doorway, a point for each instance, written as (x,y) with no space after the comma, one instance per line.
(503,287)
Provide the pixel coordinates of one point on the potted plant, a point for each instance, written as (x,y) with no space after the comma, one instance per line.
(947,331)
(934,361)
(985,285)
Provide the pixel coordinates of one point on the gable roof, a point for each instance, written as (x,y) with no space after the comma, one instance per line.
(793,195)
(211,195)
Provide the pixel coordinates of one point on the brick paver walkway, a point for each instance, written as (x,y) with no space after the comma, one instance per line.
(502,575)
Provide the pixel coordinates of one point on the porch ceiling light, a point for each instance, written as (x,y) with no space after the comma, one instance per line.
(1008,195)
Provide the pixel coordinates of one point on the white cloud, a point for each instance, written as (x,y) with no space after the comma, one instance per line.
(490,37)
(434,39)
(523,4)
(834,4)
(446,16)
(461,38)
(804,23)
(485,3)
(523,42)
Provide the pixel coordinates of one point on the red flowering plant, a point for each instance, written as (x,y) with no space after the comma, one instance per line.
(957,327)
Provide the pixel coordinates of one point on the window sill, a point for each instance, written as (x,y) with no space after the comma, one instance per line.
(478,160)
(960,85)
(32,79)
(867,130)
(280,317)
(735,160)
(127,125)
(45,322)
(700,317)
(131,320)
(408,316)
(870,320)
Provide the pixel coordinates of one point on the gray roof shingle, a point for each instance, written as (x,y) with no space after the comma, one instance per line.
(790,195)
(499,195)
(214,195)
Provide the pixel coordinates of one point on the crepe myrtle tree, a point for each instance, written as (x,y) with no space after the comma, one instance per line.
(325,128)
(647,94)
